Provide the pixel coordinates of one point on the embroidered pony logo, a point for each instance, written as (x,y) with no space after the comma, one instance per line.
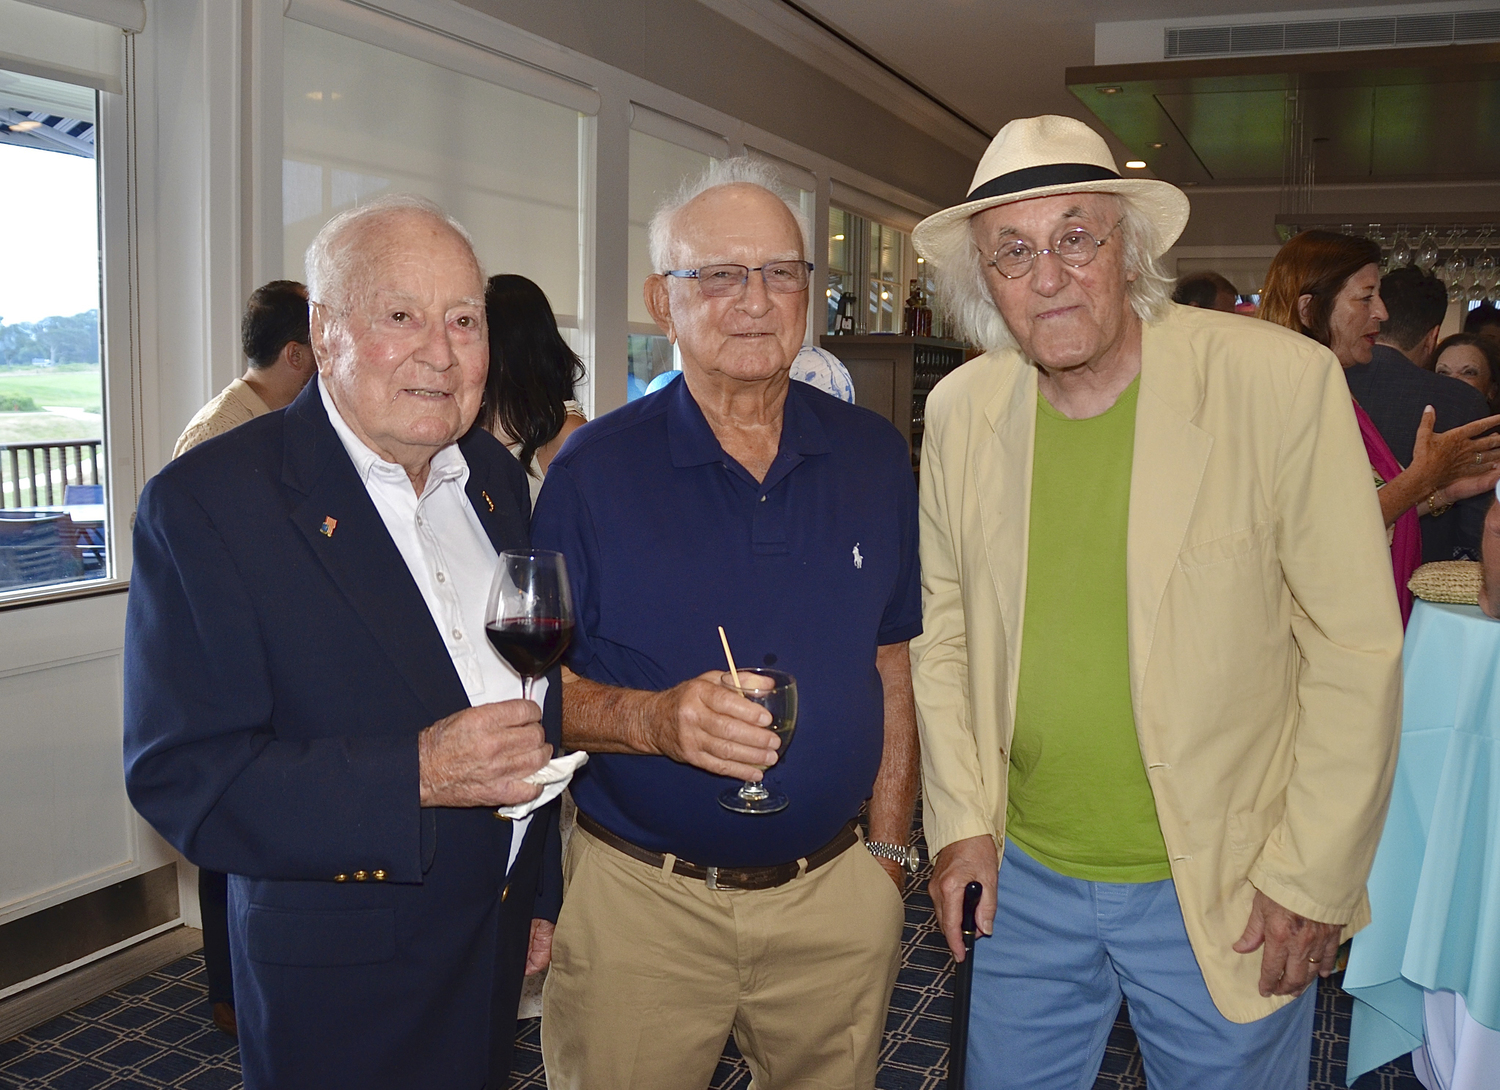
(859,561)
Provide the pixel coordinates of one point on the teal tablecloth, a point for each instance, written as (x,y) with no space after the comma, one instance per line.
(1435,886)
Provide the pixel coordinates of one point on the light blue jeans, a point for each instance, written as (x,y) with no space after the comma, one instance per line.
(1047,988)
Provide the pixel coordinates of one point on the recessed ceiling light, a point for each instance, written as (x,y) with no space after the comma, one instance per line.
(921,261)
(1109,90)
(838,238)
(25,126)
(1156,145)
(1135,164)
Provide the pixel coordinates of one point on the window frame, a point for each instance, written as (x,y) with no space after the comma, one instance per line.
(114,203)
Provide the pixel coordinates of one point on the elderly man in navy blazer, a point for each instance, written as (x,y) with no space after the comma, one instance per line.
(310,703)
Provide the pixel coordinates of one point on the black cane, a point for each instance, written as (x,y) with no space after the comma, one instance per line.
(963,982)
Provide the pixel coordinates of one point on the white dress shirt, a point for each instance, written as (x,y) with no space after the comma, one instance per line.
(452,561)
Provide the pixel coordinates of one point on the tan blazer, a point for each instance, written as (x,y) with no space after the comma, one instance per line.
(1264,635)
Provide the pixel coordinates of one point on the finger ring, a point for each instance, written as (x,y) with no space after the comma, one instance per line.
(1314,961)
(1478,458)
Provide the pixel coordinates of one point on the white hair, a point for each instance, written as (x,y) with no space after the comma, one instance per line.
(331,262)
(958,269)
(741,170)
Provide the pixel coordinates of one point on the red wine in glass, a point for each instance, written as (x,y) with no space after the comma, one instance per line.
(529,615)
(531,646)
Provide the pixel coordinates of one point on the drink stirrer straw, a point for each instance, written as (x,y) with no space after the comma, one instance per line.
(729,656)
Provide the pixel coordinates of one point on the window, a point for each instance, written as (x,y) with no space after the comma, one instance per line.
(361,121)
(53,521)
(872,264)
(657,168)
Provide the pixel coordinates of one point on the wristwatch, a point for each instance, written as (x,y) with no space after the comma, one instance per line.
(905,854)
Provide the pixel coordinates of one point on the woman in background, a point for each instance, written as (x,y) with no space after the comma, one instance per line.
(528,397)
(1473,359)
(1326,286)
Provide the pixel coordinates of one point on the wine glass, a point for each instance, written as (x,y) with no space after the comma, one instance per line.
(1484,267)
(1376,233)
(529,614)
(776,691)
(1401,250)
(1427,251)
(1458,277)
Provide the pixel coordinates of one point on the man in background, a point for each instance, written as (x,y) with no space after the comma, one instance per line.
(275,339)
(1394,389)
(1206,290)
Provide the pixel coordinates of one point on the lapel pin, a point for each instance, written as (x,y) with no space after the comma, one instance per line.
(487,500)
(330,524)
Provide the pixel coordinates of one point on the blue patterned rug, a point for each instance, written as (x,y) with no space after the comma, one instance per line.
(155,1034)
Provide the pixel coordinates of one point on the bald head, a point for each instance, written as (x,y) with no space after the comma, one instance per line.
(341,257)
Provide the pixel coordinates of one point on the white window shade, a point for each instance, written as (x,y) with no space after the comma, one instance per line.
(125,14)
(873,207)
(675,131)
(55,44)
(657,168)
(360,121)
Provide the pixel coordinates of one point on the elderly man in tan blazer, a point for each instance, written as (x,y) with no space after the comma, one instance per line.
(1159,675)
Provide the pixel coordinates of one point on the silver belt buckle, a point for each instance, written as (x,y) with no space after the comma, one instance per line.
(713,877)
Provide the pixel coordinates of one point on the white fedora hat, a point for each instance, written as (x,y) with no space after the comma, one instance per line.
(1043,157)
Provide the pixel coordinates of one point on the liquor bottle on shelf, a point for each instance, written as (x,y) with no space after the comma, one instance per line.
(916,316)
(843,317)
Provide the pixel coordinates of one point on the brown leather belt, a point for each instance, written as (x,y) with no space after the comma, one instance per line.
(725,877)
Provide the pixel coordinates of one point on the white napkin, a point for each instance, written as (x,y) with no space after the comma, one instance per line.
(553,776)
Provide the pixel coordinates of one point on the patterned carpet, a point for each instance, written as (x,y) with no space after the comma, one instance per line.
(154,1034)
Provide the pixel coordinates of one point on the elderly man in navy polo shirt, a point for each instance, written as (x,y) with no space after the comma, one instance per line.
(733,498)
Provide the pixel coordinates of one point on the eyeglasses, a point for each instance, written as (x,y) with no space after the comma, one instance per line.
(1075,248)
(718,280)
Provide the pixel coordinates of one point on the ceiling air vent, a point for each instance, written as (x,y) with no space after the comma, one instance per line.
(1260,38)
(1198,41)
(1354,33)
(1423,29)
(1321,35)
(1310,37)
(1472,26)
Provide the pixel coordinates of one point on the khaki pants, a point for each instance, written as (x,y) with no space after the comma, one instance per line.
(651,971)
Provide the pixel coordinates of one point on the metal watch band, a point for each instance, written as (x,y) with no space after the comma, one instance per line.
(896,853)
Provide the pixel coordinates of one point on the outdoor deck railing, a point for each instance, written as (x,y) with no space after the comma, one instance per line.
(37,474)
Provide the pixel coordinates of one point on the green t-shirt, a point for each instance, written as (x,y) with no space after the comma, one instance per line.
(1079,801)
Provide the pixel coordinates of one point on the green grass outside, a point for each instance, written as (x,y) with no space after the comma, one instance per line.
(71,386)
(46,427)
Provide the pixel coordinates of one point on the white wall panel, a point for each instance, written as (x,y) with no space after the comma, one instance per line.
(64,817)
(66,825)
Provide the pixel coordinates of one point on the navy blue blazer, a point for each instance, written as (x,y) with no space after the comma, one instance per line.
(279,664)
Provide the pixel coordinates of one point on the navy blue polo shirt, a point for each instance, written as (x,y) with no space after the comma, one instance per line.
(667,537)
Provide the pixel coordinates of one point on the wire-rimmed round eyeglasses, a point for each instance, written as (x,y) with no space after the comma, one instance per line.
(1075,248)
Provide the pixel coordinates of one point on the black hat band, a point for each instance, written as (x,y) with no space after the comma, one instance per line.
(1019,181)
